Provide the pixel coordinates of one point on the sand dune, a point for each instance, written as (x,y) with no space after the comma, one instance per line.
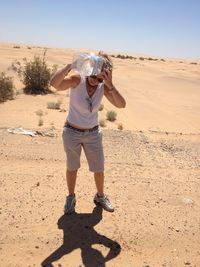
(162,96)
(152,173)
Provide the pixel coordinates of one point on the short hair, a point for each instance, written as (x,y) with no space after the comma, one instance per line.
(107,62)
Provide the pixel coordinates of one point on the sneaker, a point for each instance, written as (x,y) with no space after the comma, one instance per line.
(104,202)
(70,204)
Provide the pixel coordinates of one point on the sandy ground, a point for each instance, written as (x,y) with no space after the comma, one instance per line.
(152,174)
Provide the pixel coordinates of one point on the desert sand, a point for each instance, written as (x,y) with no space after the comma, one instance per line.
(152,172)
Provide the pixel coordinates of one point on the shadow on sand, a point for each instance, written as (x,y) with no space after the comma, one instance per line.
(79,232)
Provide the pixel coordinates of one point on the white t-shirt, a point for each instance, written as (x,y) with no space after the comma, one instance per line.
(83,110)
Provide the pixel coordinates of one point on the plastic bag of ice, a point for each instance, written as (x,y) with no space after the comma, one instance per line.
(87,64)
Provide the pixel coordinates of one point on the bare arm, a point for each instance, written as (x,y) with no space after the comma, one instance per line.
(60,82)
(110,92)
(114,97)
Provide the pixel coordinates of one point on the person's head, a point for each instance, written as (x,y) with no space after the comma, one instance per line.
(106,65)
(107,62)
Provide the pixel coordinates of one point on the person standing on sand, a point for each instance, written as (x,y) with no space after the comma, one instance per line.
(81,129)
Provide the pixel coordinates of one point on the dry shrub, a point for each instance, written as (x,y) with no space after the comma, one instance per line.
(54,105)
(6,88)
(102,123)
(120,126)
(101,107)
(39,113)
(40,121)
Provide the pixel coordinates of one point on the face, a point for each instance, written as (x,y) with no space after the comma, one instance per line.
(95,79)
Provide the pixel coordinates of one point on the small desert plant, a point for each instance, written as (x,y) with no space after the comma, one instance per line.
(54,105)
(16,46)
(35,75)
(120,126)
(40,113)
(52,126)
(6,88)
(111,115)
(102,123)
(40,121)
(101,107)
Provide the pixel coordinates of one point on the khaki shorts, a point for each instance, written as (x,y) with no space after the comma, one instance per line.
(91,142)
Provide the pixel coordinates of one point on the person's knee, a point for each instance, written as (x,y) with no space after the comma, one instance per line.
(71,173)
(98,173)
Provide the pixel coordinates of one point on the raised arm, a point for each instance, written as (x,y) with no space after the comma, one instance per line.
(110,91)
(60,82)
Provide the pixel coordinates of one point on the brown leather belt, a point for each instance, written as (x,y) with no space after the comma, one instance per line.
(82,130)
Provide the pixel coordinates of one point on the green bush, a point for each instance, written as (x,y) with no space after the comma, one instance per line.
(34,74)
(111,115)
(6,88)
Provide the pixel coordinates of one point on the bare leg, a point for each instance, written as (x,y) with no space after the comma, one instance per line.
(71,181)
(99,180)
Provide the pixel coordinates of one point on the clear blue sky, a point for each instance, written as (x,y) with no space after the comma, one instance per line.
(166,28)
